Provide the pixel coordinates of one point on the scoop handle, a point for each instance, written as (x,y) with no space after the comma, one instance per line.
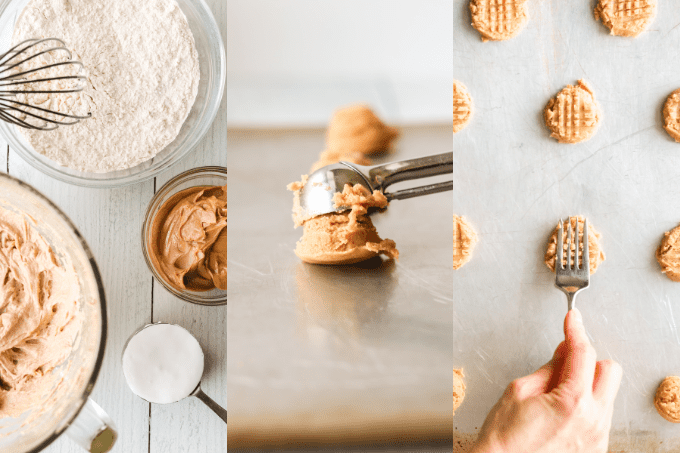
(93,429)
(216,408)
(406,170)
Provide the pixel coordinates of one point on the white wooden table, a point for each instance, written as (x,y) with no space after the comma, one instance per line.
(111,222)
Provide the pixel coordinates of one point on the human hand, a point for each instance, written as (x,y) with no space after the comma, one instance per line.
(564,407)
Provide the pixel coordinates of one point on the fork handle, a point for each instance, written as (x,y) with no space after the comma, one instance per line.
(571,297)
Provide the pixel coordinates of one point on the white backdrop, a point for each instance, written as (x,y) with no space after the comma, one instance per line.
(290,63)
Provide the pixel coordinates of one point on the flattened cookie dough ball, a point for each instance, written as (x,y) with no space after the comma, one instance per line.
(573,115)
(356,129)
(626,17)
(596,255)
(462,106)
(671,115)
(668,254)
(464,240)
(458,389)
(667,399)
(498,20)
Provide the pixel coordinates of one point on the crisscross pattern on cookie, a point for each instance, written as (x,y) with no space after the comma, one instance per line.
(498,19)
(462,106)
(572,115)
(671,115)
(626,17)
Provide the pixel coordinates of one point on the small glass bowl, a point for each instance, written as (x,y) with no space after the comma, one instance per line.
(202,176)
(212,60)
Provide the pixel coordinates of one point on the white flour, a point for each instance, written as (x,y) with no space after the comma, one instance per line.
(143,75)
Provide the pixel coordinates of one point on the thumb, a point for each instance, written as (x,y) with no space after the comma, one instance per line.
(578,369)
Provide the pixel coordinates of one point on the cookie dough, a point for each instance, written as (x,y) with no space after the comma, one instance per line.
(498,20)
(356,129)
(188,244)
(346,237)
(671,115)
(596,255)
(332,156)
(626,17)
(573,115)
(462,106)
(458,389)
(464,240)
(668,254)
(667,399)
(39,316)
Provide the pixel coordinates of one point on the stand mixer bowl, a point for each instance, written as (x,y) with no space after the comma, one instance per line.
(36,428)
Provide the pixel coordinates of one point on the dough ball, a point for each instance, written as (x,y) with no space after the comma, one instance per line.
(332,156)
(667,399)
(458,389)
(626,17)
(668,254)
(595,252)
(356,129)
(462,106)
(464,240)
(498,20)
(671,115)
(573,115)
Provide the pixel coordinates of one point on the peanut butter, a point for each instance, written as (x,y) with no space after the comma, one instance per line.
(188,245)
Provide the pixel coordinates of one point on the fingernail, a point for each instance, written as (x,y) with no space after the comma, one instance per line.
(577,315)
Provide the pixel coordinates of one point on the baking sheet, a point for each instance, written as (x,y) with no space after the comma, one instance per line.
(513,182)
(335,355)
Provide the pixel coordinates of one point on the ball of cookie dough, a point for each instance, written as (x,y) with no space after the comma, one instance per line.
(668,254)
(671,115)
(356,129)
(462,106)
(596,255)
(498,20)
(667,399)
(626,17)
(464,240)
(458,389)
(573,116)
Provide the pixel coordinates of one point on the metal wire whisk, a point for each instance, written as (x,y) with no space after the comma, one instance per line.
(15,80)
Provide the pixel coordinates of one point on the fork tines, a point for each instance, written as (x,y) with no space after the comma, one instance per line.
(572,238)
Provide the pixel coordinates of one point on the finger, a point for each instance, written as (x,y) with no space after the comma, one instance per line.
(533,384)
(578,369)
(607,381)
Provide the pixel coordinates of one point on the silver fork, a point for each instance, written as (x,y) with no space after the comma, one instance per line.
(572,279)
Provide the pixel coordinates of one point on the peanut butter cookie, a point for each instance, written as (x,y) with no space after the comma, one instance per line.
(667,399)
(464,240)
(498,20)
(626,17)
(462,106)
(573,115)
(596,255)
(671,115)
(668,254)
(458,389)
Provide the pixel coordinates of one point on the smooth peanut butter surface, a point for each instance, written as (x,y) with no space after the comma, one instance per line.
(189,239)
(39,317)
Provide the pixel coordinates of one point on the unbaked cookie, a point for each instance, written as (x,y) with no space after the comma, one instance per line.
(626,17)
(595,252)
(462,106)
(498,20)
(573,115)
(671,115)
(458,389)
(464,240)
(667,399)
(356,129)
(668,254)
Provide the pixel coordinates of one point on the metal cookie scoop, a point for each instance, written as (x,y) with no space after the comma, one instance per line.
(316,197)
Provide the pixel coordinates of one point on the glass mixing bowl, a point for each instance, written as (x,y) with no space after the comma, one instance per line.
(35,429)
(210,90)
(201,176)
